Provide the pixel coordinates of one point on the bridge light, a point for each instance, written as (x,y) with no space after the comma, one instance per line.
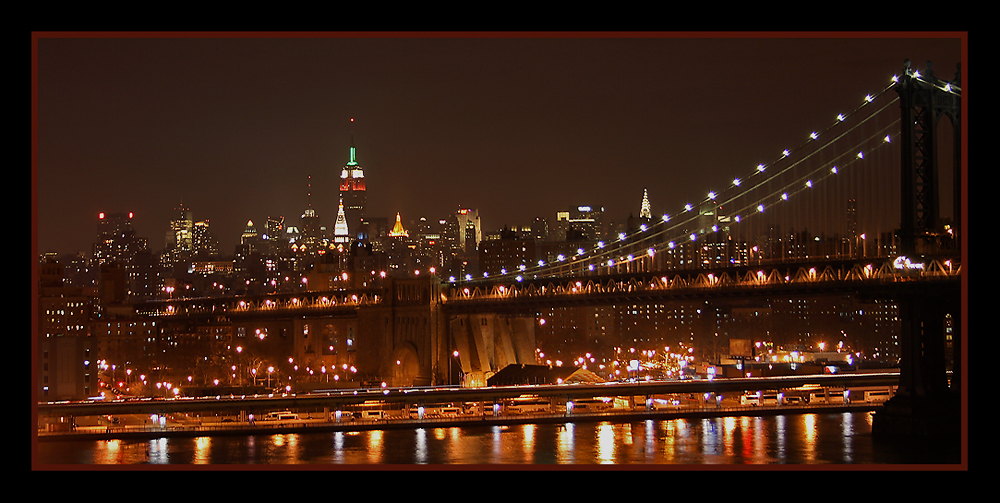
(519,278)
(694,237)
(784,153)
(814,135)
(784,196)
(868,98)
(760,208)
(711,195)
(687,207)
(809,183)
(671,245)
(621,236)
(737,217)
(579,251)
(861,155)
(760,167)
(887,139)
(736,182)
(840,117)
(600,244)
(834,170)
(666,217)
(650,252)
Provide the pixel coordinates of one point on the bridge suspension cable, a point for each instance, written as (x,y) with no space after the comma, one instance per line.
(751,195)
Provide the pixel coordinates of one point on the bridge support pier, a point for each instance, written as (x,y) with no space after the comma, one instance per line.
(925,406)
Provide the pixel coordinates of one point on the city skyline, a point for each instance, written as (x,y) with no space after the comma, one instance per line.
(517,127)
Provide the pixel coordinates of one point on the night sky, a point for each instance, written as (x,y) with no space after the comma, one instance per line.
(516,126)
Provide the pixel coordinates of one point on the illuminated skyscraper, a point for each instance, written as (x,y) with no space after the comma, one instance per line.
(353,196)
(310,228)
(180,237)
(580,223)
(397,230)
(341,235)
(116,239)
(644,210)
(204,242)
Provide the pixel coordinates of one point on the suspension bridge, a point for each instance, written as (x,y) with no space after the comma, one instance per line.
(868,205)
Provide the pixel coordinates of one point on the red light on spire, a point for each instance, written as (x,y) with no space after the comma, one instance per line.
(100,215)
(130,214)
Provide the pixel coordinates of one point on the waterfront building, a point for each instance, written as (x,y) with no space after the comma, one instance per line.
(66,356)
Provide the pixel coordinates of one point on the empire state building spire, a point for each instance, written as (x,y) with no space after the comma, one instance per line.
(352,194)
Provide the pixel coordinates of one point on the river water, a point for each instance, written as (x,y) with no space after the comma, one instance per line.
(806,439)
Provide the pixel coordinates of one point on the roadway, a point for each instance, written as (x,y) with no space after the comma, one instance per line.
(136,427)
(339,399)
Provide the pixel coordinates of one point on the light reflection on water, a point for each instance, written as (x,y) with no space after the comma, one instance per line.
(794,439)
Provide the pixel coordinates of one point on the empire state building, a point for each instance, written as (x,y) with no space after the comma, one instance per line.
(352,193)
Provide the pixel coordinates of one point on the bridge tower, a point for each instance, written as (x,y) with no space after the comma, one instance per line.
(924,100)
(926,405)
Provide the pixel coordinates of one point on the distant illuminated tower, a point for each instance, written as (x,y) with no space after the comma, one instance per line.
(204,242)
(310,228)
(644,211)
(249,233)
(340,231)
(352,194)
(116,239)
(181,233)
(397,230)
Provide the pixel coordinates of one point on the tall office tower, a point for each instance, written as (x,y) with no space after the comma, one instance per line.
(249,236)
(116,239)
(181,234)
(463,231)
(274,228)
(274,231)
(205,244)
(310,228)
(580,223)
(341,235)
(352,193)
(644,211)
(540,229)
